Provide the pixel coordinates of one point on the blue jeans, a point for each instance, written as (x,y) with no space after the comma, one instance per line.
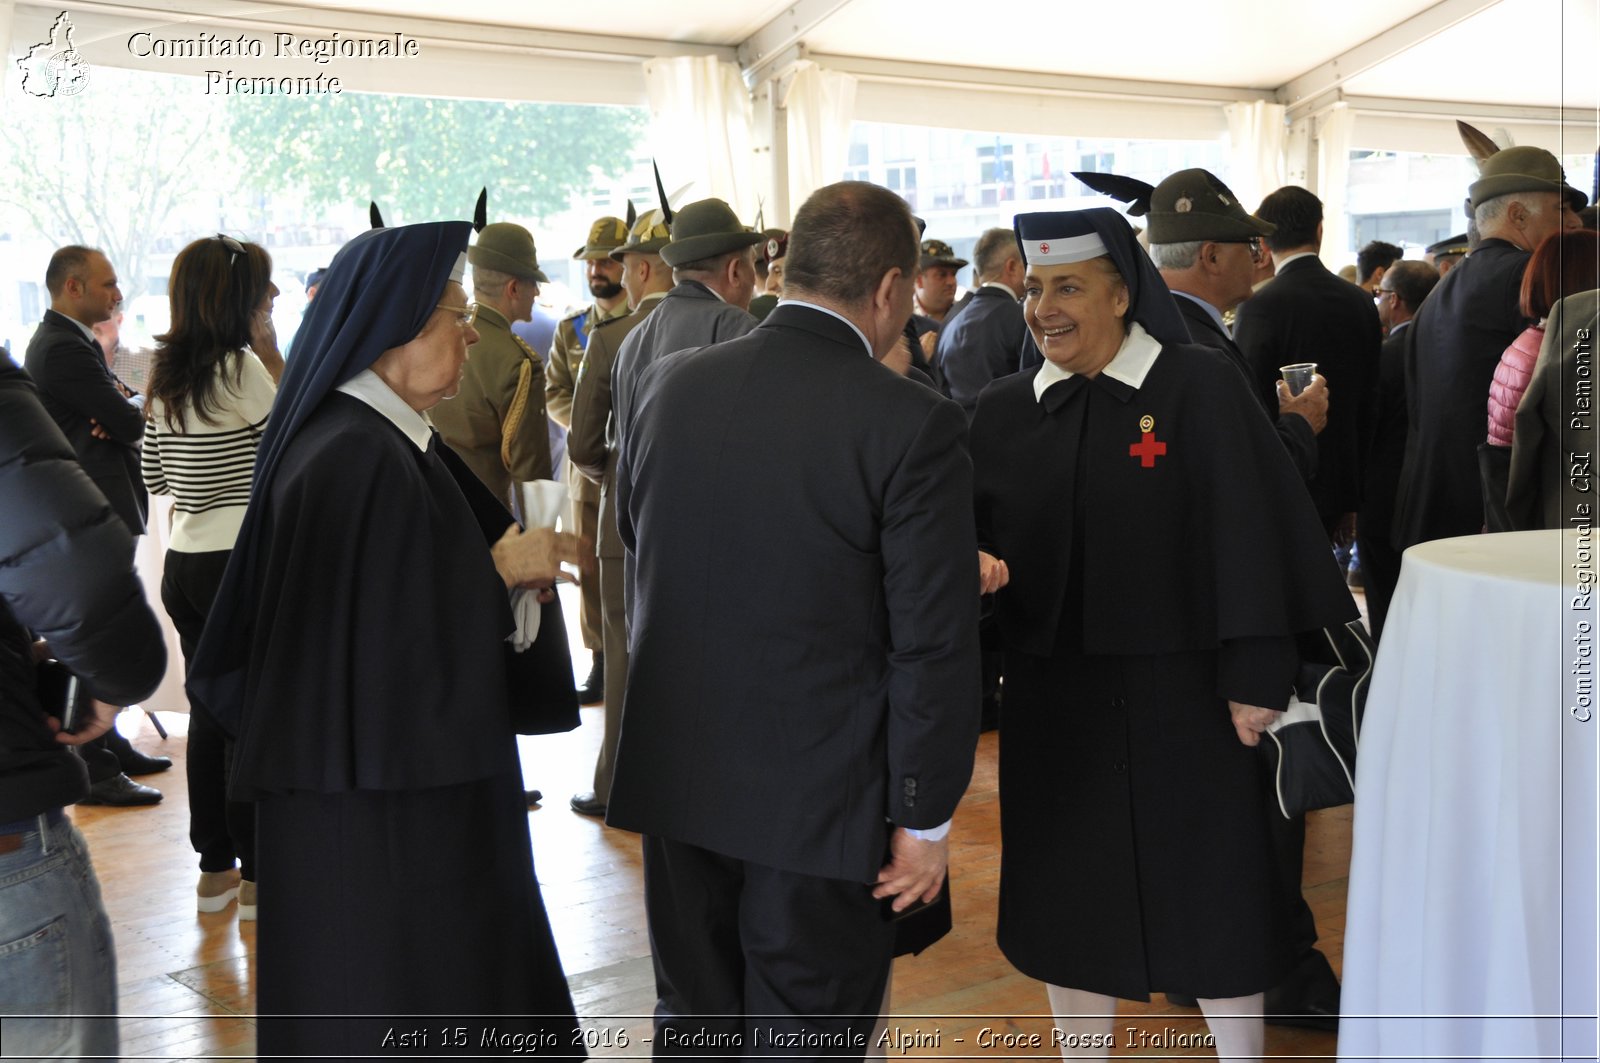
(57,964)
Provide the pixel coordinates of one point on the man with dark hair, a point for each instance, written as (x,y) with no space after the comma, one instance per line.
(1371,262)
(1307,314)
(800,719)
(496,422)
(1207,253)
(986,338)
(1400,294)
(1452,347)
(103,419)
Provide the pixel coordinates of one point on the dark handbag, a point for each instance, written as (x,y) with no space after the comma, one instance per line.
(539,685)
(920,925)
(1311,749)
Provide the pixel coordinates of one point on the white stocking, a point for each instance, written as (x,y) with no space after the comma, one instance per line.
(1236,1024)
(1085,1021)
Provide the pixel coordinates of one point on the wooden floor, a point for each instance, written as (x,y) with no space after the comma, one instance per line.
(186,978)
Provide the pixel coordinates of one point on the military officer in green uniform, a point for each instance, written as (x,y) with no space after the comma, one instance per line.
(591,446)
(497,421)
(604,275)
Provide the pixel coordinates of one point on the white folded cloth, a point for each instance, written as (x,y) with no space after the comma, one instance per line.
(525,608)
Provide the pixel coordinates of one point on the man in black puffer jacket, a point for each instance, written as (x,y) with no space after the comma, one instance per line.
(66,577)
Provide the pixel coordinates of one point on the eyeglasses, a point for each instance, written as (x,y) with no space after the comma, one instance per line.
(1254,244)
(235,248)
(1379,293)
(465,315)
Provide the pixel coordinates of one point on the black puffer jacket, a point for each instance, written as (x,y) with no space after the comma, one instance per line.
(66,574)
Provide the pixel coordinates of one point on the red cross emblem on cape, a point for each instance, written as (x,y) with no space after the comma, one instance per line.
(1148,449)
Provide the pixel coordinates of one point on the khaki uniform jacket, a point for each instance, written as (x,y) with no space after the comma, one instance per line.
(591,439)
(496,422)
(561,376)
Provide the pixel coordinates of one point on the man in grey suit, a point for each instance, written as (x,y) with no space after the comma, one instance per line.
(712,256)
(801,714)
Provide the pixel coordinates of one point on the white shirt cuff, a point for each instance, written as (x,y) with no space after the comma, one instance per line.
(932,834)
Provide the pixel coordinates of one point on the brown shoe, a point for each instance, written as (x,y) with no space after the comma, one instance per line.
(247,899)
(217,889)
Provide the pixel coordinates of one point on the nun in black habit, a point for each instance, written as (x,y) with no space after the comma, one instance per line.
(356,650)
(1163,554)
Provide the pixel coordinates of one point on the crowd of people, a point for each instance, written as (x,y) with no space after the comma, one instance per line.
(831,521)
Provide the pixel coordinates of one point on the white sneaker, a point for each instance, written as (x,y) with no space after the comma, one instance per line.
(217,889)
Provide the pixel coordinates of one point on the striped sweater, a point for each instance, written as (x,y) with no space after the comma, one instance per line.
(207,468)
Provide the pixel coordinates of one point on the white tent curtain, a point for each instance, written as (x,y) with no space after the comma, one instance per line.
(700,119)
(1256,137)
(8,12)
(819,106)
(1334,130)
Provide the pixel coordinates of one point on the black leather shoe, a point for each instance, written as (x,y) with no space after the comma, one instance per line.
(137,763)
(120,791)
(1308,999)
(593,690)
(533,797)
(588,803)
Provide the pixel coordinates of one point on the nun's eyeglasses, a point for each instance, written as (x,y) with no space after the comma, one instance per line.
(465,315)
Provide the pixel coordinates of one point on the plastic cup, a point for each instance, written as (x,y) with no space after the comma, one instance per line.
(1298,376)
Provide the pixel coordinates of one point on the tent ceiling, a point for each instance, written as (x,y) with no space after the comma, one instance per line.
(1441,57)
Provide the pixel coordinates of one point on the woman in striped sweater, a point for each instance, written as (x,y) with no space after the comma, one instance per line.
(211,387)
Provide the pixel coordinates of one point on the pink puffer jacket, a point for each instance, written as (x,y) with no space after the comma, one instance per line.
(1511,378)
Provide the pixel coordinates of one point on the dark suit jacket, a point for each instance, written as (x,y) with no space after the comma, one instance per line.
(804,669)
(1294,432)
(1308,314)
(1388,448)
(981,342)
(76,387)
(1453,345)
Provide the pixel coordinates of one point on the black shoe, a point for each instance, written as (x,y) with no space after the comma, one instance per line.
(1181,1000)
(588,803)
(137,763)
(120,791)
(533,797)
(593,690)
(1308,999)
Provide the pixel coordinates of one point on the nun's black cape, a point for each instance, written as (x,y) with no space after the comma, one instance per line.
(1143,598)
(356,649)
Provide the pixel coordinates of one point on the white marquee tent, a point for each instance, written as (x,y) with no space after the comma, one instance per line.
(755,101)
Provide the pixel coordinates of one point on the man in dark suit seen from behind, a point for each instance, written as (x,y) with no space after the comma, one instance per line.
(801,714)
(1400,294)
(986,338)
(1207,252)
(1456,340)
(1308,314)
(103,419)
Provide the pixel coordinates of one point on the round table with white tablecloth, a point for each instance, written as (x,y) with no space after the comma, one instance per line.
(1471,925)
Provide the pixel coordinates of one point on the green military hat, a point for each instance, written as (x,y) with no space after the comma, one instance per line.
(605,236)
(706,229)
(647,237)
(507,247)
(1522,169)
(938,253)
(1195,205)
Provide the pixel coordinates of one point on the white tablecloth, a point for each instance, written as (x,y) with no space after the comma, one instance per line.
(1471,927)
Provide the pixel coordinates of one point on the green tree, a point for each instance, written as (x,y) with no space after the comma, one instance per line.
(421,158)
(110,167)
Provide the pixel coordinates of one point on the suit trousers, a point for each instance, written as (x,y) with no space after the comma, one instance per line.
(614,613)
(751,960)
(219,829)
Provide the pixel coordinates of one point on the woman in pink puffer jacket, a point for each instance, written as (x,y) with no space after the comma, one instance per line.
(1563,264)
